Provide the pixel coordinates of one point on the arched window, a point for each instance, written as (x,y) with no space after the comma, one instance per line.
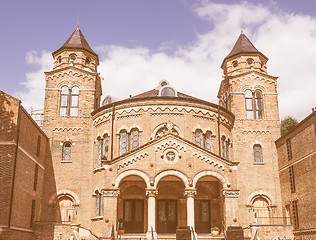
(134,138)
(257,152)
(166,128)
(168,92)
(69,100)
(106,147)
(198,137)
(123,142)
(67,152)
(99,163)
(65,210)
(254,104)
(223,146)
(98,204)
(208,141)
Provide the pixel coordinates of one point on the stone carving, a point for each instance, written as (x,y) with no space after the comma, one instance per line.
(151,192)
(190,192)
(231,193)
(111,192)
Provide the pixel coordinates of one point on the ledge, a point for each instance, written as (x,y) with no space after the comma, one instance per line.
(97,218)
(258,163)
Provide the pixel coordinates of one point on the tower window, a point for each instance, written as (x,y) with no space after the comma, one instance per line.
(257,152)
(88,61)
(59,59)
(235,63)
(72,57)
(254,104)
(250,61)
(168,92)
(66,152)
(69,100)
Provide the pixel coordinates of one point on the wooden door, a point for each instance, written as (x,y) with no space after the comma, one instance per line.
(202,216)
(133,215)
(166,216)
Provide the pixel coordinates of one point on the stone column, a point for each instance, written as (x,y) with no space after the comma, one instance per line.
(231,206)
(151,230)
(190,193)
(110,209)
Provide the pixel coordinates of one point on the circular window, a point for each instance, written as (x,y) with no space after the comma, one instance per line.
(170,156)
(168,92)
(250,61)
(235,63)
(72,57)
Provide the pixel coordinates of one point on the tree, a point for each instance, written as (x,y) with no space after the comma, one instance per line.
(287,123)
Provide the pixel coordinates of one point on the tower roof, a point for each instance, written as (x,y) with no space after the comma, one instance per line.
(243,45)
(76,41)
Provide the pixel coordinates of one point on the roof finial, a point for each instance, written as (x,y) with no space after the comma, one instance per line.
(241,25)
(78,22)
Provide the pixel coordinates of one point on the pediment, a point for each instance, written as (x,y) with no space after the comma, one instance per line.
(171,148)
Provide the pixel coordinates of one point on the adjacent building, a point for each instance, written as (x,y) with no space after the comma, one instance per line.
(297,169)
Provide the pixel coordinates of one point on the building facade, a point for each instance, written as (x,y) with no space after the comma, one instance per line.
(160,159)
(23,154)
(297,168)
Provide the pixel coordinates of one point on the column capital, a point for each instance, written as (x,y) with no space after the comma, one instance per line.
(111,192)
(230,193)
(152,192)
(190,192)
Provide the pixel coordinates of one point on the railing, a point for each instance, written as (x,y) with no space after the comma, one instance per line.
(273,221)
(224,229)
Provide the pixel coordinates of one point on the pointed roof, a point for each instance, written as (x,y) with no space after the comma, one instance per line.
(76,41)
(243,45)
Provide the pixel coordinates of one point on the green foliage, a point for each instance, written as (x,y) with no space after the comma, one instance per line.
(287,123)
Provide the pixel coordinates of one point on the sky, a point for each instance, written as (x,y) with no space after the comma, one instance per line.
(141,42)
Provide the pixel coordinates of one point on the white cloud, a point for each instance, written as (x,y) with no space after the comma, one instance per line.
(287,39)
(34,93)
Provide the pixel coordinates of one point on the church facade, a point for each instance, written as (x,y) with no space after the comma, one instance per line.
(160,159)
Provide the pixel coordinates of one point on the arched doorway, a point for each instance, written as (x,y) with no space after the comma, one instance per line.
(171,204)
(64,210)
(132,204)
(208,204)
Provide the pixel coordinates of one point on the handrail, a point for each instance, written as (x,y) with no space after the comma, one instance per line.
(92,233)
(192,233)
(152,233)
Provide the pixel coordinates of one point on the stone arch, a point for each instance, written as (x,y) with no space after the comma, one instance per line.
(212,173)
(263,194)
(122,175)
(172,172)
(158,127)
(64,193)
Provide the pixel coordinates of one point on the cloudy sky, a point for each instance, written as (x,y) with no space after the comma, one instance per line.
(141,42)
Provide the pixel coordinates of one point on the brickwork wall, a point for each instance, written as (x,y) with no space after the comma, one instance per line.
(303,143)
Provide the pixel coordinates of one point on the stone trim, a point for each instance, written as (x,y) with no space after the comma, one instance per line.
(152,192)
(222,178)
(231,193)
(110,192)
(64,193)
(189,192)
(132,160)
(209,161)
(170,143)
(176,173)
(68,129)
(120,176)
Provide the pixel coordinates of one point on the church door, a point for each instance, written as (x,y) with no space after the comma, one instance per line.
(202,216)
(134,215)
(166,216)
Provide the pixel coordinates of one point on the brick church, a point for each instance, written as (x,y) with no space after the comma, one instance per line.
(162,159)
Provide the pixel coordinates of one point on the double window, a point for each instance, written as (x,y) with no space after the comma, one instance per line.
(203,139)
(69,99)
(254,104)
(128,141)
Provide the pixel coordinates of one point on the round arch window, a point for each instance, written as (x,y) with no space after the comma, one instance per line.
(168,92)
(72,57)
(235,63)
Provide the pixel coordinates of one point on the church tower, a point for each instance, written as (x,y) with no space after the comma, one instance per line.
(250,93)
(73,91)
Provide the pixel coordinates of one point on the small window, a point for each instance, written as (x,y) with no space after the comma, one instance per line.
(35,177)
(38,147)
(208,141)
(106,147)
(69,101)
(88,61)
(72,57)
(66,152)
(123,142)
(99,164)
(198,137)
(250,61)
(32,213)
(59,59)
(295,220)
(235,63)
(227,149)
(134,138)
(257,152)
(168,92)
(289,149)
(98,204)
(292,179)
(223,146)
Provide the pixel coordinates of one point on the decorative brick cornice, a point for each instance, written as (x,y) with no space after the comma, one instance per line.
(256,132)
(167,115)
(208,160)
(129,116)
(68,129)
(132,160)
(170,143)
